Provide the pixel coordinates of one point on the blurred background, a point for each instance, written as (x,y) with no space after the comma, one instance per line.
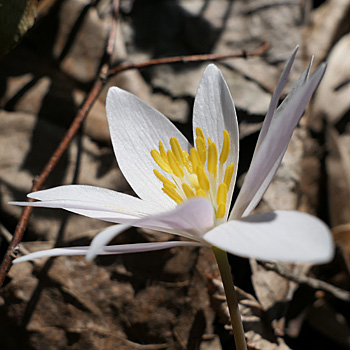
(51,53)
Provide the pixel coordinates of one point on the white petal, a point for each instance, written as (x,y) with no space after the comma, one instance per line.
(214,111)
(286,236)
(273,147)
(191,220)
(275,98)
(146,247)
(91,210)
(301,81)
(110,250)
(278,118)
(103,238)
(136,129)
(94,202)
(266,128)
(52,252)
(195,217)
(94,211)
(93,194)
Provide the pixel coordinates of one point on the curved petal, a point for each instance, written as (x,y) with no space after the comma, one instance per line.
(286,236)
(103,238)
(94,202)
(214,111)
(51,253)
(273,147)
(110,250)
(191,220)
(136,129)
(194,217)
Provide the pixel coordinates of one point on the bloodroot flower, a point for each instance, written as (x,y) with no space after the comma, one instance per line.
(187,190)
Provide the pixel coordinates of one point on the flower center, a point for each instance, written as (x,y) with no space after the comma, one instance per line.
(200,173)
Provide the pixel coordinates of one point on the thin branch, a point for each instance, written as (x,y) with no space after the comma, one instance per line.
(309,281)
(264,6)
(68,137)
(186,59)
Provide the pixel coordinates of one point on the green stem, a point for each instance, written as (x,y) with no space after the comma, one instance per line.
(231,297)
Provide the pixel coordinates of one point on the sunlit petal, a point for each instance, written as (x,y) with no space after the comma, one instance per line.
(136,129)
(94,202)
(213,112)
(286,236)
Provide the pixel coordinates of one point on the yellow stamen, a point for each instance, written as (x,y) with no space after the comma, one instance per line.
(202,178)
(169,191)
(228,175)
(220,212)
(174,165)
(163,179)
(193,178)
(225,147)
(176,148)
(196,162)
(196,173)
(201,193)
(160,161)
(188,191)
(199,133)
(201,148)
(222,194)
(162,151)
(187,161)
(212,158)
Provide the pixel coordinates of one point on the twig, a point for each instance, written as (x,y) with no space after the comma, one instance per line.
(263,6)
(68,137)
(309,281)
(185,59)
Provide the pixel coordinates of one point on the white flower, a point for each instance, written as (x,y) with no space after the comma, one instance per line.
(187,190)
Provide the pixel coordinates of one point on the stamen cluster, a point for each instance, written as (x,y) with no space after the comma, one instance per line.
(199,173)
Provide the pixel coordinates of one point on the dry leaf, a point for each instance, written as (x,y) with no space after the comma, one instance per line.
(328,321)
(338,167)
(332,98)
(328,23)
(16,17)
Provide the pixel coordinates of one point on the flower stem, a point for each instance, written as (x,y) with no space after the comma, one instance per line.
(231,297)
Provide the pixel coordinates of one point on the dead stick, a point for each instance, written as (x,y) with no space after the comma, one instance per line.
(309,281)
(186,59)
(68,137)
